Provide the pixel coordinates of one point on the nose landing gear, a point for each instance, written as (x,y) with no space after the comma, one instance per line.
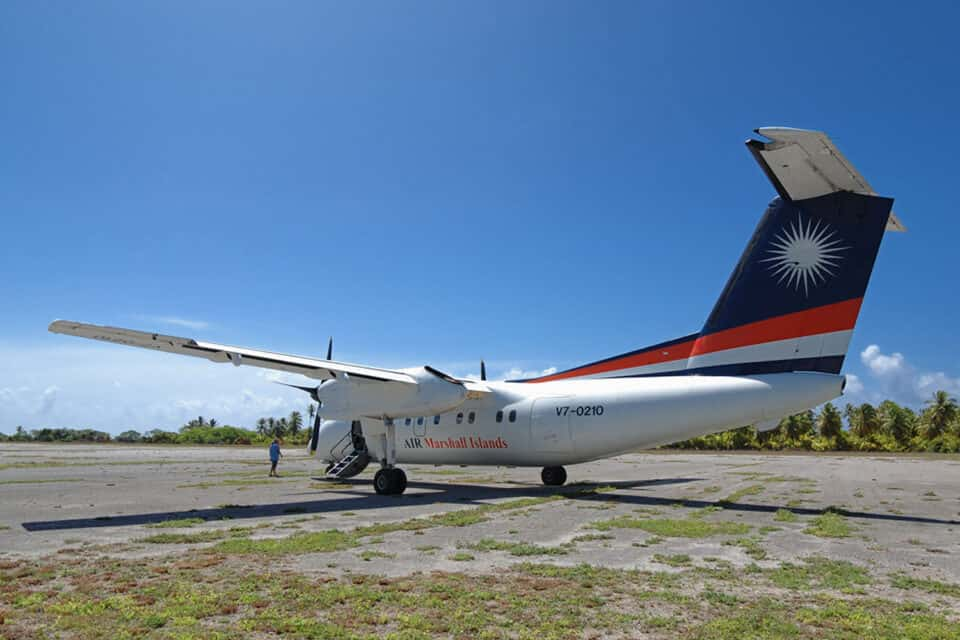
(390,481)
(553,476)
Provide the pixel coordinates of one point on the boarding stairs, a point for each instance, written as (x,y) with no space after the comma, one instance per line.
(351,457)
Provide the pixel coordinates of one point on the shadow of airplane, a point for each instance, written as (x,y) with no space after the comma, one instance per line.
(437,492)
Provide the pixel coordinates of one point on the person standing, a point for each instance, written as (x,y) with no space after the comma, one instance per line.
(274,458)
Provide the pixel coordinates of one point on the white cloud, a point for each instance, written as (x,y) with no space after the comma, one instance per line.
(897,379)
(854,385)
(517,373)
(880,364)
(114,389)
(177,321)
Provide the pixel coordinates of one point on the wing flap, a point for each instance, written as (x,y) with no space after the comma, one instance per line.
(310,367)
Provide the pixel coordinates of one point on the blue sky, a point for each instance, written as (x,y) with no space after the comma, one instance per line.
(535,183)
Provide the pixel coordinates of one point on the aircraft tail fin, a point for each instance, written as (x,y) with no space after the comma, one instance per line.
(792,301)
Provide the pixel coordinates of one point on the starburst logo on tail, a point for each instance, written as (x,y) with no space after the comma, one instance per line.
(803,256)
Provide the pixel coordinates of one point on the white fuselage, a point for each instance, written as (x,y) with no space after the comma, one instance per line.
(571,421)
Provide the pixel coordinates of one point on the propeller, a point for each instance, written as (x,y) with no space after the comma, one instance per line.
(483,370)
(315,436)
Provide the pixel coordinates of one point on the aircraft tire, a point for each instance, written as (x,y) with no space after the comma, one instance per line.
(390,482)
(382,482)
(553,476)
(401,481)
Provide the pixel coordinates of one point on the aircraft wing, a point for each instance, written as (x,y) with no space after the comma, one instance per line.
(806,164)
(310,367)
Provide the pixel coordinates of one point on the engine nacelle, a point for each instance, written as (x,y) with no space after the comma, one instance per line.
(333,440)
(348,398)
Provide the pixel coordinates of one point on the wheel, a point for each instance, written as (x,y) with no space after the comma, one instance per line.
(553,476)
(382,482)
(390,482)
(401,479)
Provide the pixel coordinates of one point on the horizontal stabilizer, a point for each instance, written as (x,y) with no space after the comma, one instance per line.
(806,164)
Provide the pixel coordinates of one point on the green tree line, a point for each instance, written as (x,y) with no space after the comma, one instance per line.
(288,428)
(864,427)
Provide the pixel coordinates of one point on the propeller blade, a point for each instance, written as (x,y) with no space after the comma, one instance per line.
(483,370)
(316,432)
(311,390)
(330,349)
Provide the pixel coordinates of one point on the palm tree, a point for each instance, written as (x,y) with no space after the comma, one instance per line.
(262,427)
(311,411)
(829,422)
(279,427)
(213,422)
(941,410)
(863,420)
(897,422)
(295,423)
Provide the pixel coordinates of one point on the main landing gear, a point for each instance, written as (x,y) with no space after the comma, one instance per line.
(553,476)
(390,481)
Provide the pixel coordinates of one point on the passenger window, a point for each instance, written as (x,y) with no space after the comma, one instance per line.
(419,421)
(459,418)
(407,422)
(513,415)
(471,417)
(436,419)
(499,416)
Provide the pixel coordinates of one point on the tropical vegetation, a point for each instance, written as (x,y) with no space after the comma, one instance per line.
(887,426)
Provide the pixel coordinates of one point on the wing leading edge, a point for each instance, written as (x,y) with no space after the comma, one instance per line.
(310,367)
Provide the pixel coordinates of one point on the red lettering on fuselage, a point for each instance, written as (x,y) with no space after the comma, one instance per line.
(466,442)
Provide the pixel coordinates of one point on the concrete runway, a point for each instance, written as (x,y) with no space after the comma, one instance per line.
(903,511)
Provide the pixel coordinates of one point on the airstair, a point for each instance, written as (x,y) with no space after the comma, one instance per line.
(351,457)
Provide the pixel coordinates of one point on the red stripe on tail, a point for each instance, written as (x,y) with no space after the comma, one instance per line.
(840,316)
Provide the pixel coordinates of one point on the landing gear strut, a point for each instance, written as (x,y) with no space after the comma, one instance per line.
(553,476)
(390,481)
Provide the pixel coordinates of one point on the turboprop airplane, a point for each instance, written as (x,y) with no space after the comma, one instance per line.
(773,346)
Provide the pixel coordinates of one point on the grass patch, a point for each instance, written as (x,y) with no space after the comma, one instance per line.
(591,537)
(829,525)
(739,494)
(336,540)
(818,572)
(427,548)
(370,554)
(692,527)
(785,515)
(204,595)
(875,618)
(306,542)
(678,560)
(903,581)
(41,481)
(750,546)
(515,548)
(179,522)
(764,619)
(211,535)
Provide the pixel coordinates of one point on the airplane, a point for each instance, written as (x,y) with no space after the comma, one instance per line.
(773,346)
